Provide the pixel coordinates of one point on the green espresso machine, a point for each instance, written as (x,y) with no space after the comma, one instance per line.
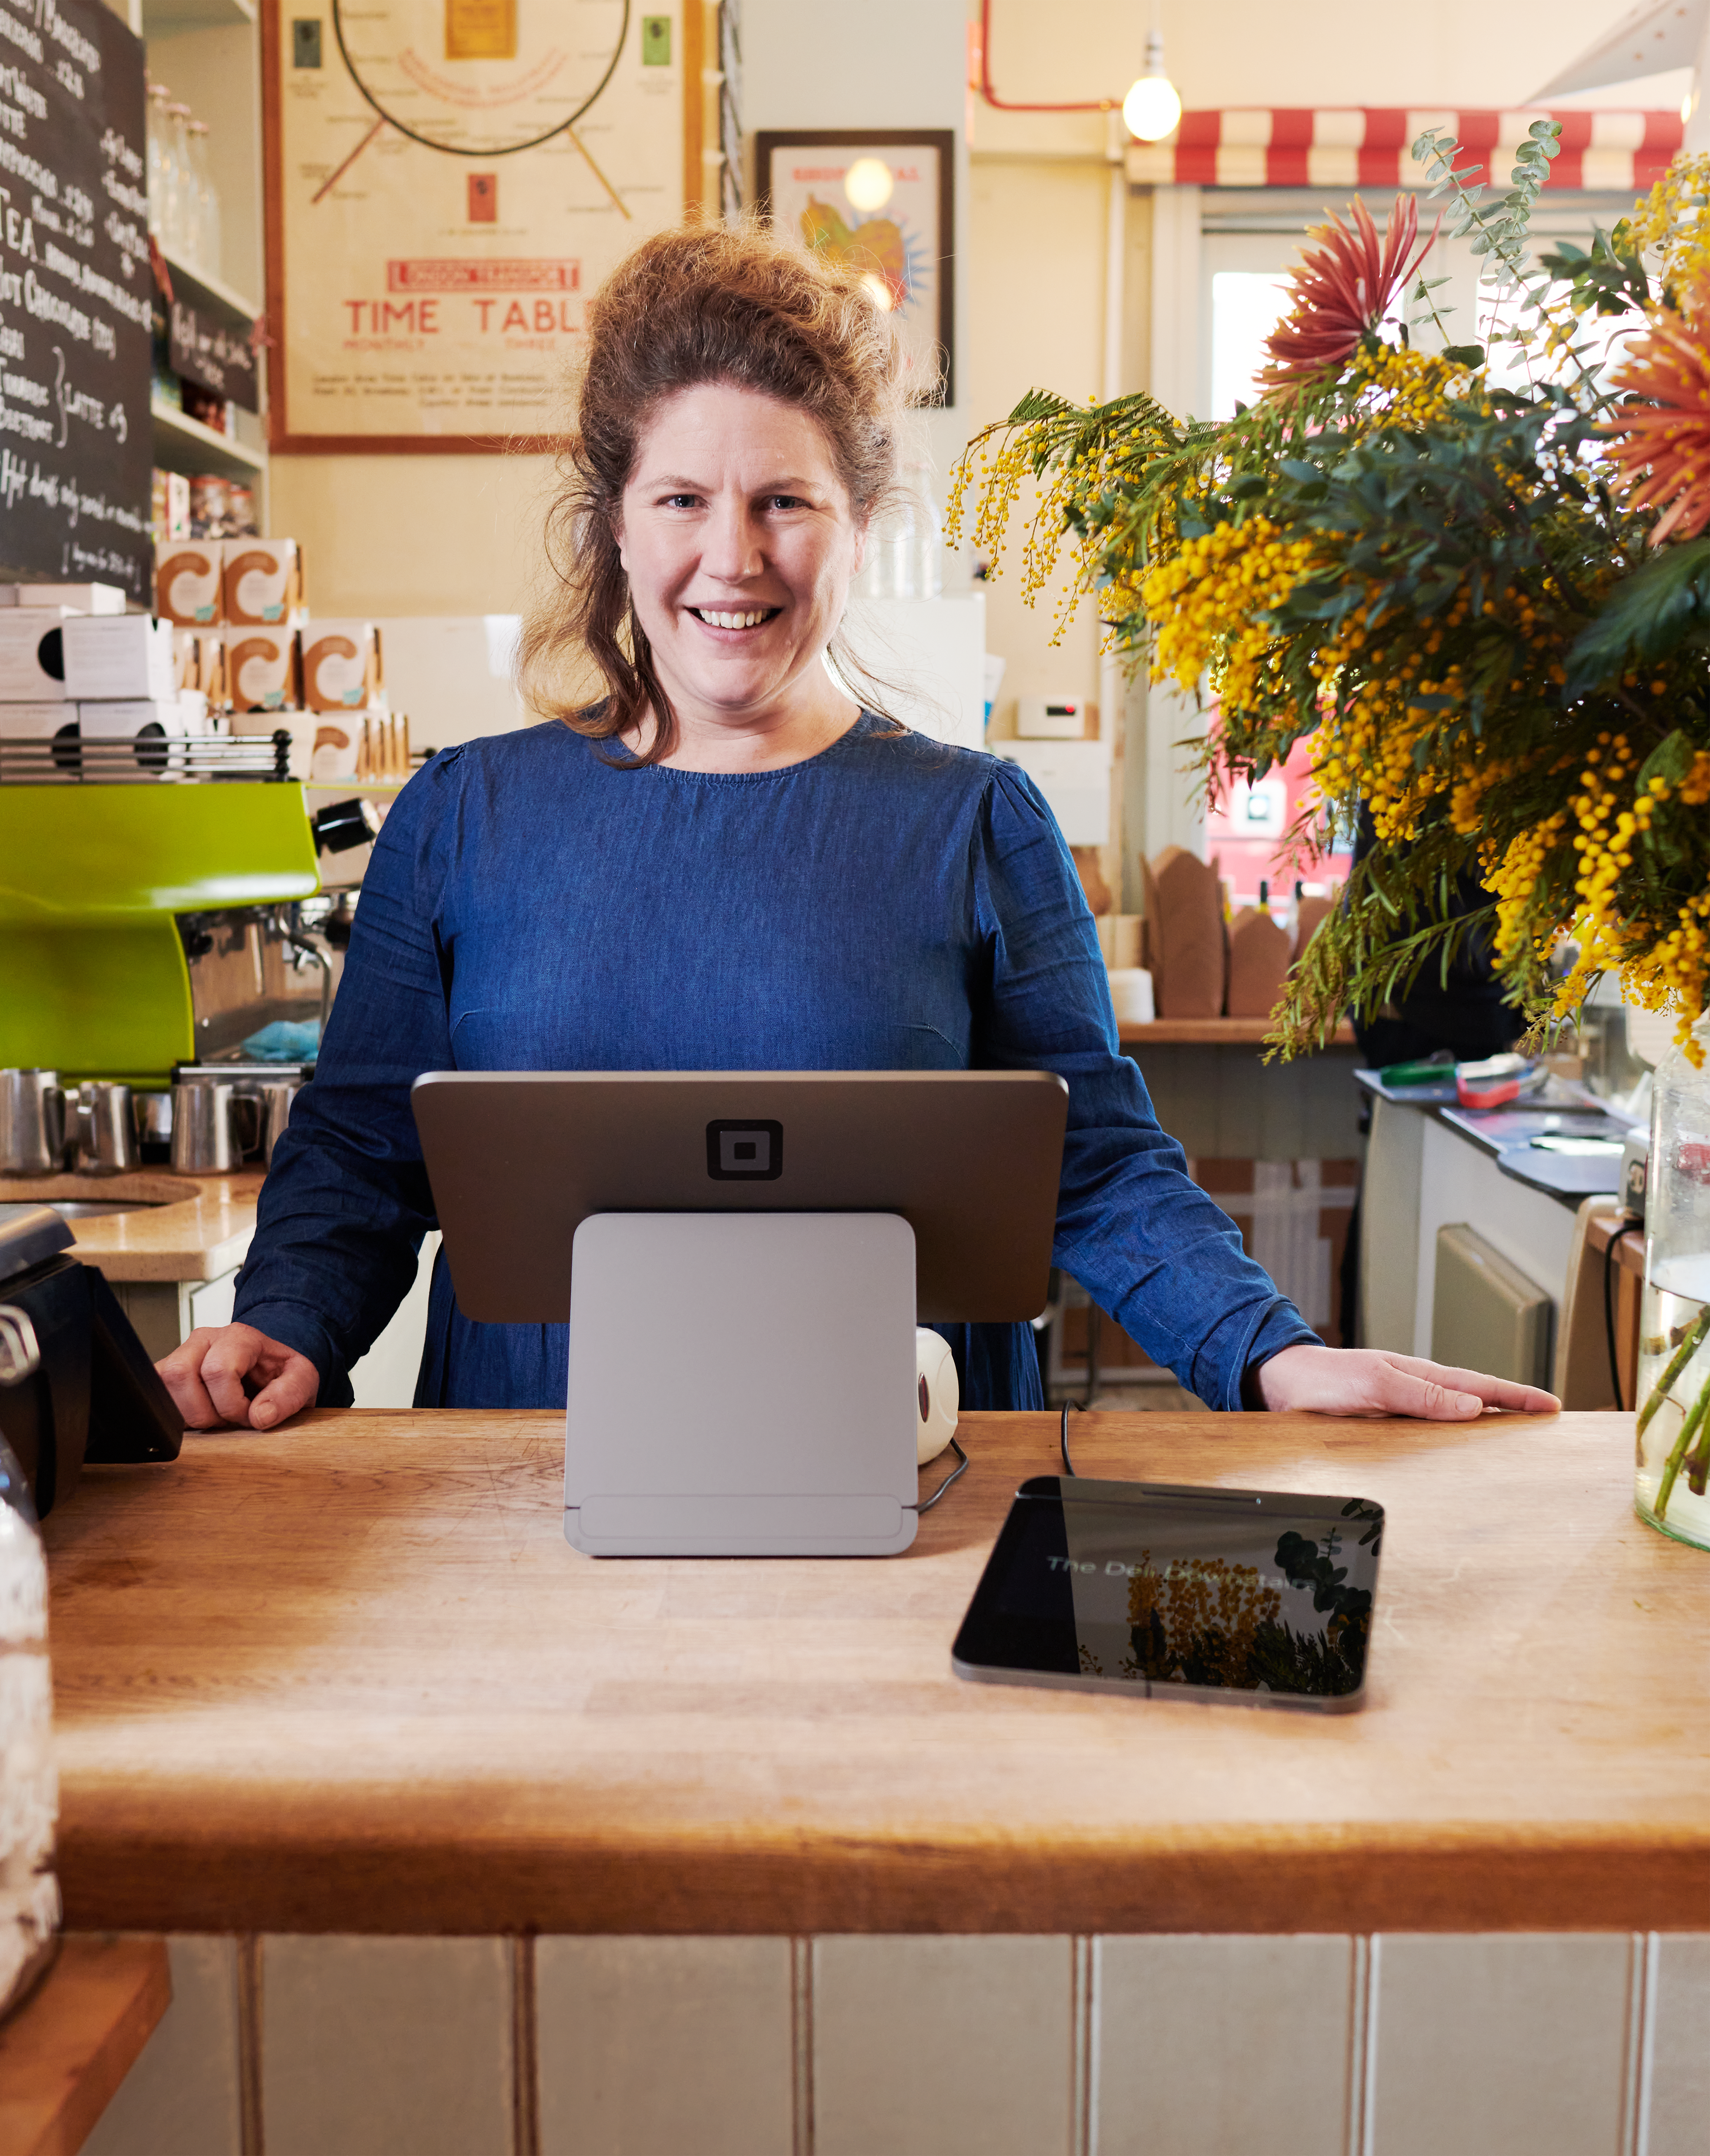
(144,927)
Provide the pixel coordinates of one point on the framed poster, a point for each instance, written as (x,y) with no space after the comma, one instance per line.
(447,183)
(882,201)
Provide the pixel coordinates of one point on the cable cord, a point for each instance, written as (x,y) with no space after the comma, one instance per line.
(954,1475)
(1063,1441)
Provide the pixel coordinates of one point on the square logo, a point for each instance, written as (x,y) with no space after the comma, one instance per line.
(744,1152)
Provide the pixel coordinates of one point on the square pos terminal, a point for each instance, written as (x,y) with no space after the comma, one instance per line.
(742,1257)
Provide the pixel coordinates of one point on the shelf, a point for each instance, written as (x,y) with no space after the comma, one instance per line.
(217,286)
(184,445)
(1212,1033)
(171,18)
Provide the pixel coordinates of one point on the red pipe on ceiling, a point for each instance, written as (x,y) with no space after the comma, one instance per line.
(1002,104)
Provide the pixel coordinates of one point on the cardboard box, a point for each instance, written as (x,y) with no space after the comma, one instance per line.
(151,726)
(125,656)
(188,583)
(182,716)
(262,672)
(1184,941)
(81,599)
(36,722)
(263,582)
(341,664)
(33,655)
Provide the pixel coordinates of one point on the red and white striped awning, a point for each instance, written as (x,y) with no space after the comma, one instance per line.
(1371,147)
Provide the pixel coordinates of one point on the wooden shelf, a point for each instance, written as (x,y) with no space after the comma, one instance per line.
(1212,1033)
(184,445)
(218,285)
(64,2053)
(171,18)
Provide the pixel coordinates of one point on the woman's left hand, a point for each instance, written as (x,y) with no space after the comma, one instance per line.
(1372,1381)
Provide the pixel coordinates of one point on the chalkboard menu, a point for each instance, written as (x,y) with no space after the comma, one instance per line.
(75,297)
(210,341)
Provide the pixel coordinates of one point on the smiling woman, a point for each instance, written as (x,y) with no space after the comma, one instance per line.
(729,864)
(737,431)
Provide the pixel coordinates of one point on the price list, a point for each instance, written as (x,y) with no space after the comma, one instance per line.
(75,297)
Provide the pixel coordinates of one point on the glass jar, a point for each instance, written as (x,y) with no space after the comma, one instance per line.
(906,547)
(1673,1488)
(29,1788)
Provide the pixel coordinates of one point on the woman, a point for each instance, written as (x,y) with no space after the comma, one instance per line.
(726,864)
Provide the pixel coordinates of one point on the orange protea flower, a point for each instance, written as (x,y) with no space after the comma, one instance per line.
(1664,429)
(1342,289)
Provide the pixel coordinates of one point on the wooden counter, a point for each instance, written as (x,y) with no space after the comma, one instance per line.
(349,1676)
(189,1227)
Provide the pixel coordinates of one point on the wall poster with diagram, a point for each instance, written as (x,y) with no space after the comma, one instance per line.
(448,181)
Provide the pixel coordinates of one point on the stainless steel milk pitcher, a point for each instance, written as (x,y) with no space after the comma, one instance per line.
(105,1127)
(31,1122)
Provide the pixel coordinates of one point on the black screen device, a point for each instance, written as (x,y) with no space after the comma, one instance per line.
(1168,1591)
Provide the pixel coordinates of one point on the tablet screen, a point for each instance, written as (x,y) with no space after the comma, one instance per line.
(1164,1591)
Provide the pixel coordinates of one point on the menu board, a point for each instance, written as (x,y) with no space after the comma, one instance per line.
(447,182)
(75,297)
(211,342)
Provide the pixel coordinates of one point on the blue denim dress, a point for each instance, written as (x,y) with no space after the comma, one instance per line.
(888,905)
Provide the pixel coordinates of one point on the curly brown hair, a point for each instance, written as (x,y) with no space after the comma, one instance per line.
(705,304)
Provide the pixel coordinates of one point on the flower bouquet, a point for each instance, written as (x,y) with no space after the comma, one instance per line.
(1471,575)
(1474,577)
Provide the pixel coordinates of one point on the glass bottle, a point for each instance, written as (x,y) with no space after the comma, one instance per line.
(184,240)
(160,178)
(1673,1487)
(29,1790)
(208,236)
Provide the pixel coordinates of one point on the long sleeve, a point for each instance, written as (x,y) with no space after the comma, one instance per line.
(345,1203)
(1147,1244)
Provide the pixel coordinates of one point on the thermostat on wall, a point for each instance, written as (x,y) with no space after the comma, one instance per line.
(1050,718)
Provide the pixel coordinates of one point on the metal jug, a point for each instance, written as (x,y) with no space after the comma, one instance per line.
(213,1126)
(31,1122)
(105,1128)
(273,1098)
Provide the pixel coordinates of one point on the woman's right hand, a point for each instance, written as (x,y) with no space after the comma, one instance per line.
(232,1374)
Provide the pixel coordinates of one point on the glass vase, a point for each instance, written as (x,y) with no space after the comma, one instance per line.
(1673,1486)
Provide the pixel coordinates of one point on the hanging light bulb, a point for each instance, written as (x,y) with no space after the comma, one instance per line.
(1152,108)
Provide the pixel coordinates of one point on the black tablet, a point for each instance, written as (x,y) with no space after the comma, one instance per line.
(1259,1596)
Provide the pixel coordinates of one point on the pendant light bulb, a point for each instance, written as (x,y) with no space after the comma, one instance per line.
(1152,108)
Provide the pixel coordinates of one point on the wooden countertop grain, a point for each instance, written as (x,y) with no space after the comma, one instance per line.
(190,1228)
(349,1676)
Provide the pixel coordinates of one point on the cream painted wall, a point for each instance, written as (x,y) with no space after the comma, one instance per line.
(1036,277)
(414,535)
(1452,53)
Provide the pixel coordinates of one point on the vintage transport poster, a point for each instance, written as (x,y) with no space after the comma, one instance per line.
(449,181)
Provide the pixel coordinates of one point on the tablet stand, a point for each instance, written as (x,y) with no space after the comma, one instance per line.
(741,1384)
